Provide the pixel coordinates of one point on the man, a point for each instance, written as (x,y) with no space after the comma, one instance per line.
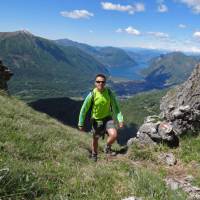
(104,104)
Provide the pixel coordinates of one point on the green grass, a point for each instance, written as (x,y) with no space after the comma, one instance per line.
(189,148)
(141,105)
(189,153)
(41,158)
(149,185)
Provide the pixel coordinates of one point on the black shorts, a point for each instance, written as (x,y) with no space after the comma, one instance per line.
(100,126)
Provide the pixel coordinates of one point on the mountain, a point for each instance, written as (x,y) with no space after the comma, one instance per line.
(169,69)
(84,47)
(143,56)
(109,56)
(44,69)
(115,57)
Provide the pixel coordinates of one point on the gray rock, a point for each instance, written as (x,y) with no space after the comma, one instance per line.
(185,185)
(165,131)
(177,114)
(131,141)
(171,107)
(168,158)
(132,198)
(172,184)
(189,178)
(159,131)
(148,132)
(184,108)
(152,119)
(5,75)
(145,138)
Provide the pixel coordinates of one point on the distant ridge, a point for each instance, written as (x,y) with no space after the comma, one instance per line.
(172,68)
(109,56)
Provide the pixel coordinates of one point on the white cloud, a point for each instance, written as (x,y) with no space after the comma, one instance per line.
(182,26)
(132,31)
(197,34)
(131,9)
(193,4)
(139,7)
(77,14)
(159,34)
(162,8)
(91,31)
(119,30)
(187,42)
(195,49)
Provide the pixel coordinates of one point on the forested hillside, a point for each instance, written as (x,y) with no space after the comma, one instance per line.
(44,69)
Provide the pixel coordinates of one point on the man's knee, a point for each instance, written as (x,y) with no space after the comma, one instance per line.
(112,133)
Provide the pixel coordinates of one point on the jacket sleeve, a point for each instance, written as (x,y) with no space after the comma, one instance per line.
(115,107)
(84,109)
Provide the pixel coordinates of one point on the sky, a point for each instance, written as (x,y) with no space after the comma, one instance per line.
(156,24)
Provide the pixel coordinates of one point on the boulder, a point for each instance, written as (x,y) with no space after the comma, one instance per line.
(151,132)
(168,158)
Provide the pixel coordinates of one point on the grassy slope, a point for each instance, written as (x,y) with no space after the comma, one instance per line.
(141,105)
(47,160)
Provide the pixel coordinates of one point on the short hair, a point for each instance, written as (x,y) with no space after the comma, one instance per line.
(100,75)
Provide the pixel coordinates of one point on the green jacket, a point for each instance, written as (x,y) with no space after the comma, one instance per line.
(102,104)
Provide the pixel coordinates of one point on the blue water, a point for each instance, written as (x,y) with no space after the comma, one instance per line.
(130,73)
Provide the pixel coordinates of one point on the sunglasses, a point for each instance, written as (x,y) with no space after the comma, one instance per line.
(103,82)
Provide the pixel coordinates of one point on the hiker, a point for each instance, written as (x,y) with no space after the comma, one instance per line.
(103,104)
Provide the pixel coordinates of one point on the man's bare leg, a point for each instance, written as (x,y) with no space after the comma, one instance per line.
(112,136)
(95,144)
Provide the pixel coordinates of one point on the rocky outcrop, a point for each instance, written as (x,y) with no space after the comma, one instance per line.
(5,75)
(154,131)
(180,112)
(181,106)
(186,185)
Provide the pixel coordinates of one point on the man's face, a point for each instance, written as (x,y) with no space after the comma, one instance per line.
(100,83)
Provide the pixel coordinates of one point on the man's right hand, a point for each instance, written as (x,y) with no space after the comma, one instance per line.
(81,128)
(121,125)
